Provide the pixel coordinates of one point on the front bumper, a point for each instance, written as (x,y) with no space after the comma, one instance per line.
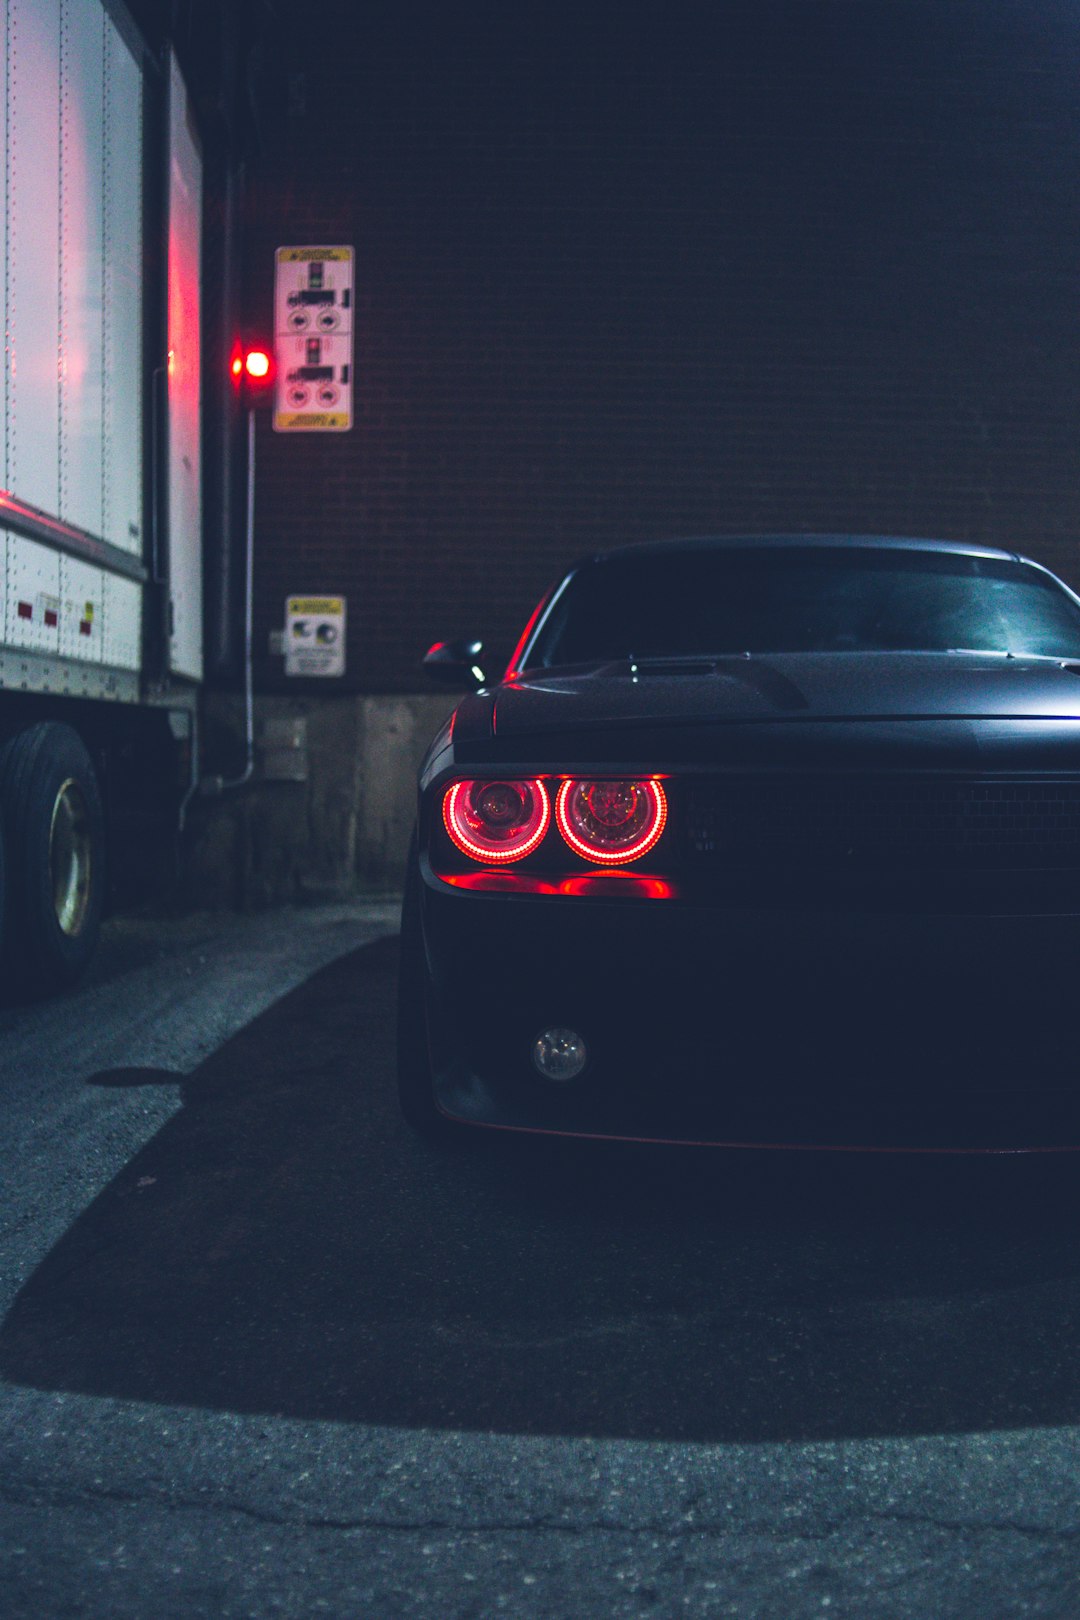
(763,1027)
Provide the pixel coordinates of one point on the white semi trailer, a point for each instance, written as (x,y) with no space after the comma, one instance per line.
(100,467)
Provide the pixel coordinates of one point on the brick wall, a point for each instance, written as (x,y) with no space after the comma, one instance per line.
(813,266)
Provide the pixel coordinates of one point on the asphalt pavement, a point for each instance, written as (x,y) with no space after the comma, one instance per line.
(263,1353)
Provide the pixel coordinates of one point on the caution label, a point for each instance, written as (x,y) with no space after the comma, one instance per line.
(313,339)
(317,255)
(320,422)
(315,635)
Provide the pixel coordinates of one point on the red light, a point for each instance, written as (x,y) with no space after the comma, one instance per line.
(618,886)
(499,882)
(609,885)
(255,372)
(495,820)
(611,821)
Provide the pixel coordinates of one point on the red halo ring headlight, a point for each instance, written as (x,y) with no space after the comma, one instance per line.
(491,819)
(611,821)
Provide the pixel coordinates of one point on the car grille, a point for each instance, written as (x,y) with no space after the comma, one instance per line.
(884,822)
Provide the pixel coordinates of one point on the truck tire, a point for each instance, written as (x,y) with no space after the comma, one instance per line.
(54,835)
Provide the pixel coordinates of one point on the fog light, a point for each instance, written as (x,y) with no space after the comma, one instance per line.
(559,1054)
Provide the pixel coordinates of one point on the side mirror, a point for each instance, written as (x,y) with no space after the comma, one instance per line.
(454,664)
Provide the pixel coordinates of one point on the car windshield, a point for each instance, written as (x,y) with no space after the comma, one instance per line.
(805,599)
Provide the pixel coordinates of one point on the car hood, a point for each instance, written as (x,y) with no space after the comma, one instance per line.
(788,687)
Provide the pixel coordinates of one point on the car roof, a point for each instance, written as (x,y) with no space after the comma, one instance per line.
(870,542)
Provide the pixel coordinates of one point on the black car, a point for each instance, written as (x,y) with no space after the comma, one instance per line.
(760,841)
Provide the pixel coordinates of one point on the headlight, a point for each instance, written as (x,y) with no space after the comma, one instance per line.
(497,821)
(611,821)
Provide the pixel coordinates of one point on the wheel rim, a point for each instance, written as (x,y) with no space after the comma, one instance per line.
(70,857)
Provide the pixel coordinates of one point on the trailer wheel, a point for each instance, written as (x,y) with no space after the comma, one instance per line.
(54,832)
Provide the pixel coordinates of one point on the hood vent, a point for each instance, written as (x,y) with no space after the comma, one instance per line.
(673,666)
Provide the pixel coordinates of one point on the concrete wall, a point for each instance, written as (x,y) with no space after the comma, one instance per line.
(329,809)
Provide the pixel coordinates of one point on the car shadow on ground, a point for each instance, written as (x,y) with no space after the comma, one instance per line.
(283,1245)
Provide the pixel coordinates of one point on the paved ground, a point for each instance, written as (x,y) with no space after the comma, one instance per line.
(262,1353)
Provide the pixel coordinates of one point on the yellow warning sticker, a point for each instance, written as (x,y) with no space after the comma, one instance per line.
(311,421)
(332,605)
(310,255)
(314,635)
